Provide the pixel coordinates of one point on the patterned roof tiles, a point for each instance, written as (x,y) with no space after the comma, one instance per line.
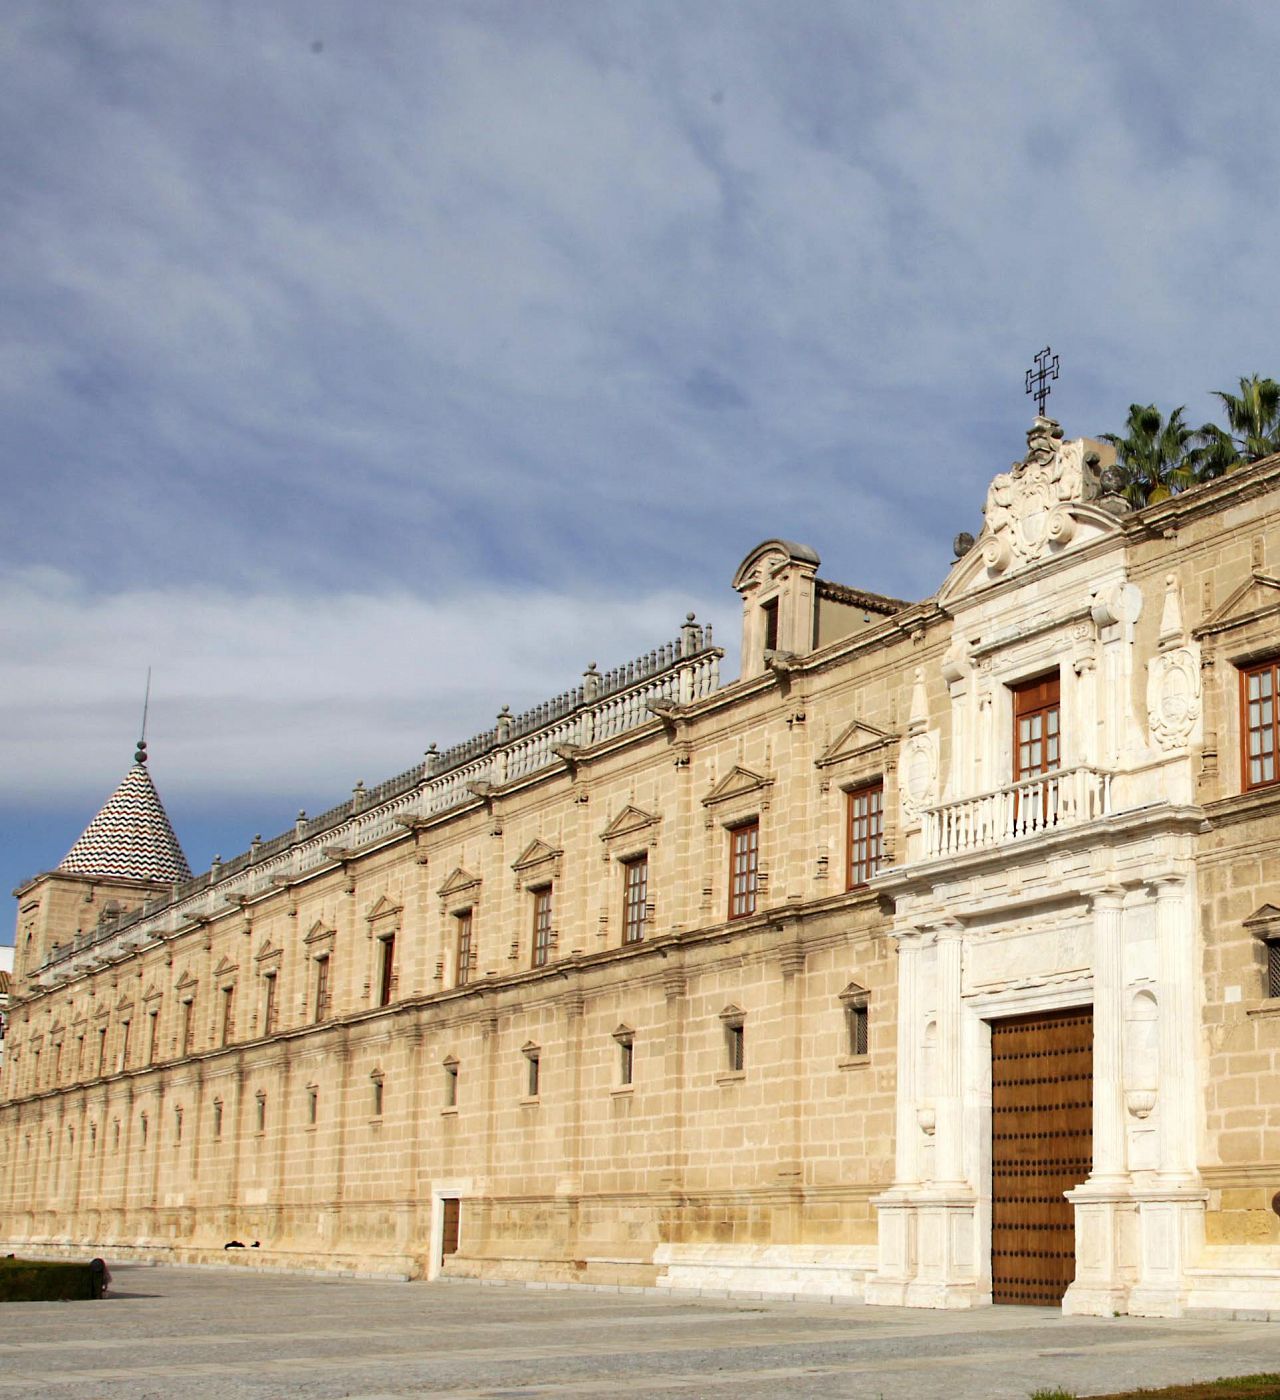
(131,837)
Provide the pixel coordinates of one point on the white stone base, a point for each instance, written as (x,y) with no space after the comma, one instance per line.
(1235,1281)
(810,1271)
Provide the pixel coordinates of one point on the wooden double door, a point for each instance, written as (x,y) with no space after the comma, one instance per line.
(1041,1146)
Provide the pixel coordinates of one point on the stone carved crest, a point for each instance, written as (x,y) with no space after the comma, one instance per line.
(1173,697)
(919,771)
(1026,506)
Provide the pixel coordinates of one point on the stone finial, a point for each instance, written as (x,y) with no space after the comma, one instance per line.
(502,728)
(358,796)
(690,636)
(1171,630)
(591,683)
(255,846)
(300,825)
(431,761)
(962,544)
(919,717)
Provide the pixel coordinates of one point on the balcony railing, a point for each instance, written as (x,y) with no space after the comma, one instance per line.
(1017,812)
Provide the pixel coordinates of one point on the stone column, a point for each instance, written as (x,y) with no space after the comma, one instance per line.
(1177,1033)
(949,1132)
(1108,1037)
(906,1154)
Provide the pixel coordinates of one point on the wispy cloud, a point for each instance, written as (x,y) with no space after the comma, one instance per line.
(354,319)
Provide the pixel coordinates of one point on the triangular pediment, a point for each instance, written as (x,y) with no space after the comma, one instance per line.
(737,782)
(56,1029)
(461,879)
(266,951)
(186,982)
(225,967)
(153,993)
(125,1003)
(1264,922)
(853,992)
(382,908)
(854,740)
(1256,598)
(317,931)
(732,1013)
(535,853)
(628,820)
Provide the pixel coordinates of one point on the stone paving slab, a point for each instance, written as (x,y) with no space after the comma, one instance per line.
(188,1334)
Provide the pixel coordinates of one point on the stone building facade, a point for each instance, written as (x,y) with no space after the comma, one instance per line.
(935,960)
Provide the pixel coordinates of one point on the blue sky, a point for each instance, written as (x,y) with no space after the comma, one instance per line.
(365,367)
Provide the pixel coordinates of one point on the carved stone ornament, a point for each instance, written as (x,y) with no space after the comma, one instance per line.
(919,774)
(1173,697)
(1026,506)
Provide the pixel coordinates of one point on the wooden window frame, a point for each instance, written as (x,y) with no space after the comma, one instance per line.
(1271,668)
(1038,698)
(542,930)
(269,1007)
(864,851)
(386,968)
(744,866)
(153,1035)
(188,1025)
(228,1032)
(323,992)
(464,925)
(635,898)
(735,1040)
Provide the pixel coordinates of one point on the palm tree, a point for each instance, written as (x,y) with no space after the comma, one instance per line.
(1253,416)
(1158,457)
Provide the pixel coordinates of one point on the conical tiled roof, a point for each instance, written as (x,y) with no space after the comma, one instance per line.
(131,836)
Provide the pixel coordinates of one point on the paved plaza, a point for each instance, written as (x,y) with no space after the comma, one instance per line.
(222,1333)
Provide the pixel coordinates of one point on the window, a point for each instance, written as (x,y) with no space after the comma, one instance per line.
(1035,725)
(79,1056)
(387,971)
(451,1083)
(735,1044)
(451,1213)
(377,1095)
(866,826)
(635,885)
(322,988)
(744,861)
(533,1071)
(626,1056)
(188,1026)
(856,1023)
(228,1015)
(269,1003)
(769,611)
(102,1051)
(261,1118)
(542,926)
(177,1124)
(313,1105)
(153,1035)
(1258,721)
(462,962)
(217,1120)
(125,1027)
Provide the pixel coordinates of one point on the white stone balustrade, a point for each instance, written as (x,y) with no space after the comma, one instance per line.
(683,672)
(1016,811)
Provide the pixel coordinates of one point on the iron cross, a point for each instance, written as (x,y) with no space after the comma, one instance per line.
(1045,370)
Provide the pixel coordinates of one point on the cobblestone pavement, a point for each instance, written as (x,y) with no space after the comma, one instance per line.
(216,1334)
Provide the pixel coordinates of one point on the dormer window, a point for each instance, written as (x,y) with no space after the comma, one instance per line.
(769,616)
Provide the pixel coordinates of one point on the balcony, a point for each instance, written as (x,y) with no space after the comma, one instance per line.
(1017,812)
